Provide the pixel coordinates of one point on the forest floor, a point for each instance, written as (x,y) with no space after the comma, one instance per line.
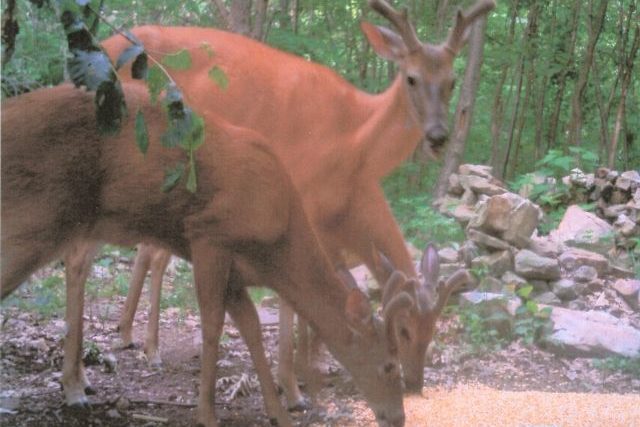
(133,394)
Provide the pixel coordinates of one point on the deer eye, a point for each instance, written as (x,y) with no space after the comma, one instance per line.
(411,81)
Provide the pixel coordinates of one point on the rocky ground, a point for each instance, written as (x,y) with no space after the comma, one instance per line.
(129,393)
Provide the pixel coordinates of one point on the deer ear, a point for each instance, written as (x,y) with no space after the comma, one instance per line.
(386,43)
(358,311)
(430,264)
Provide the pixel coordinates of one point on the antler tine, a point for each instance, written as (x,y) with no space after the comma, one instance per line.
(464,20)
(400,20)
(457,279)
(400,302)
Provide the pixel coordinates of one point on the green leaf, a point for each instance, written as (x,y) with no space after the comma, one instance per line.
(219,77)
(525,291)
(532,307)
(180,60)
(156,82)
(142,135)
(172,176)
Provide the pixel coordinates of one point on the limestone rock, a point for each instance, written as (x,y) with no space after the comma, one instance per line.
(533,266)
(484,239)
(565,289)
(573,258)
(591,334)
(448,255)
(478,170)
(480,185)
(547,298)
(629,290)
(582,229)
(497,263)
(585,274)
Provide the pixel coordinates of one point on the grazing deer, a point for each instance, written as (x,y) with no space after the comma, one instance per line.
(65,187)
(336,141)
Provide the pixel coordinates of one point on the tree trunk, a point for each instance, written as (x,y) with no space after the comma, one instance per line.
(561,77)
(464,109)
(626,80)
(595,29)
(9,31)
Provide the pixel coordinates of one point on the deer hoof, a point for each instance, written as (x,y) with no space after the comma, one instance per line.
(300,406)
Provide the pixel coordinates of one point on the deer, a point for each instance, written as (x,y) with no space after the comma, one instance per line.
(66,188)
(336,141)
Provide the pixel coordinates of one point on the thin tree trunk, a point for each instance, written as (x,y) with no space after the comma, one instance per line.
(595,29)
(259,30)
(562,77)
(464,109)
(623,97)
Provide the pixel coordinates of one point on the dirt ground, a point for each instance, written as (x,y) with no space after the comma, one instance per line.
(134,394)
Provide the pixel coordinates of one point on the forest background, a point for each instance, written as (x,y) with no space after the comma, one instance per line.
(558,79)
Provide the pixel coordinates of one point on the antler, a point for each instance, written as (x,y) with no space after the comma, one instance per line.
(400,302)
(457,35)
(457,279)
(400,21)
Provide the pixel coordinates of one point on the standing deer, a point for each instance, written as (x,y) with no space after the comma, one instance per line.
(336,141)
(65,187)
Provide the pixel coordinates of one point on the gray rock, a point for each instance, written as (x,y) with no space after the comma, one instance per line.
(499,308)
(448,255)
(481,185)
(469,198)
(628,181)
(490,242)
(463,213)
(629,290)
(591,334)
(539,286)
(497,263)
(491,284)
(510,278)
(533,266)
(545,246)
(469,251)
(582,229)
(454,185)
(565,289)
(478,170)
(585,274)
(547,298)
(573,258)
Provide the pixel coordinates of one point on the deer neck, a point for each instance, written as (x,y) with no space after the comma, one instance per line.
(391,133)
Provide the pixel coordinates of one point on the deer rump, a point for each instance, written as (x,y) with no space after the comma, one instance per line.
(62,181)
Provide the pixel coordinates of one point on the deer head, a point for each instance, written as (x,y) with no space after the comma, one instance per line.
(430,296)
(426,69)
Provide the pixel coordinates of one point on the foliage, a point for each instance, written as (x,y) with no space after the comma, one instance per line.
(420,223)
(480,331)
(531,321)
(619,364)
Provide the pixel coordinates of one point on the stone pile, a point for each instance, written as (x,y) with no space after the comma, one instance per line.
(585,264)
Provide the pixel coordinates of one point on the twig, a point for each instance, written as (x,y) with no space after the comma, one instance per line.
(150,418)
(162,402)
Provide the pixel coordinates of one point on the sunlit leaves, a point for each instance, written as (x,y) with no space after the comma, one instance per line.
(172,177)
(156,82)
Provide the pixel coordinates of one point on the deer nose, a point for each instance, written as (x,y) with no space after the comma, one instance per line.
(437,136)
(388,420)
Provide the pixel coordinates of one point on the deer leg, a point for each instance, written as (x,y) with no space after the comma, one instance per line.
(368,234)
(211,272)
(140,268)
(244,315)
(308,358)
(77,261)
(286,374)
(159,262)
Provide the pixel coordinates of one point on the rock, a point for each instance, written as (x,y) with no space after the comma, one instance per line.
(565,289)
(591,334)
(455,188)
(446,270)
(497,263)
(547,298)
(582,229)
(545,246)
(628,181)
(481,185)
(629,290)
(498,309)
(463,213)
(509,217)
(110,362)
(532,266)
(626,226)
(447,204)
(478,170)
(613,211)
(113,414)
(573,258)
(539,286)
(448,255)
(511,279)
(491,284)
(490,242)
(577,304)
(468,251)
(585,274)
(469,198)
